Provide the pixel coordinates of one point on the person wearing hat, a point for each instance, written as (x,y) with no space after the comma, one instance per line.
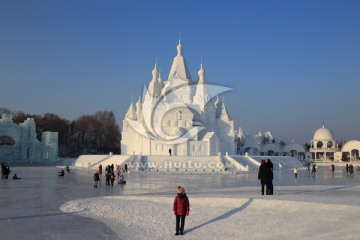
(181,210)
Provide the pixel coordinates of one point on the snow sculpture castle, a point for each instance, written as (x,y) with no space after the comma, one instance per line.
(178,116)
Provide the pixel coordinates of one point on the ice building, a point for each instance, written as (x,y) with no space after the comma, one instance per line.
(18,142)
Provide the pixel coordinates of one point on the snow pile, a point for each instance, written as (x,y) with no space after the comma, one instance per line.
(231,216)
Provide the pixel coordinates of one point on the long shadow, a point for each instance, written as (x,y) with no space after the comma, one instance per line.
(221,217)
(324,190)
(39,215)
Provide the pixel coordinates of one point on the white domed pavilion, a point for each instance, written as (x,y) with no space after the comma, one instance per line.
(323,145)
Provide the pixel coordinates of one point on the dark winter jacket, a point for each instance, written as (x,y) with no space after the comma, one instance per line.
(270,174)
(269,164)
(96,177)
(263,175)
(181,204)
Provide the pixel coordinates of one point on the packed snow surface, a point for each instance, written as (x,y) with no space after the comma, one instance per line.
(306,212)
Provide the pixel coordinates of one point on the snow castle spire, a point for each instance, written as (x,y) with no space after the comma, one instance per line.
(154,86)
(179,66)
(224,113)
(155,72)
(201,74)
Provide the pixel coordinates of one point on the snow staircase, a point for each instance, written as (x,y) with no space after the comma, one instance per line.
(93,161)
(234,163)
(113,159)
(249,162)
(86,161)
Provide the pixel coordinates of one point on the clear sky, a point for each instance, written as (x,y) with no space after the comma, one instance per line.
(292,64)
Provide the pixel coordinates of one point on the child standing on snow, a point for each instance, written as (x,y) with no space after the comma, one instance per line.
(181,210)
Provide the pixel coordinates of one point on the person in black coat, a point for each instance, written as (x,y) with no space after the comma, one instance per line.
(269,185)
(263,176)
(96,179)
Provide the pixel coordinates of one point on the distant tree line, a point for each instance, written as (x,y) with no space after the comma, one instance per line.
(89,134)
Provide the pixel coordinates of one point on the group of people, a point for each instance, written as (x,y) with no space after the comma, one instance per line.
(349,168)
(266,176)
(62,171)
(110,174)
(5,171)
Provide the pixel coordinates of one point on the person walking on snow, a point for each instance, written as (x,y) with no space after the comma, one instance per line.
(96,179)
(181,210)
(295,172)
(313,170)
(112,178)
(269,184)
(100,171)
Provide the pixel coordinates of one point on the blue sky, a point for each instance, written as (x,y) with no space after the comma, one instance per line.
(292,64)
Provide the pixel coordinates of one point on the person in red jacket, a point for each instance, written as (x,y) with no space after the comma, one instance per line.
(181,210)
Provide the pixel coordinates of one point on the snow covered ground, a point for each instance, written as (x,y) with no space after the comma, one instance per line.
(223,206)
(302,211)
(224,216)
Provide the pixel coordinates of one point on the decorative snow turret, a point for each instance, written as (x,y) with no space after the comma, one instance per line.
(154,86)
(202,96)
(224,113)
(201,74)
(131,113)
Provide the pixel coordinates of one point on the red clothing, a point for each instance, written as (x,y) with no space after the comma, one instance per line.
(181,205)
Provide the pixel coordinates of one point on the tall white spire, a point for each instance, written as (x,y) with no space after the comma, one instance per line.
(179,49)
(201,74)
(155,72)
(179,66)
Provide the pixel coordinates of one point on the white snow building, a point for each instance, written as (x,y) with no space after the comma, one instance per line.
(323,145)
(178,115)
